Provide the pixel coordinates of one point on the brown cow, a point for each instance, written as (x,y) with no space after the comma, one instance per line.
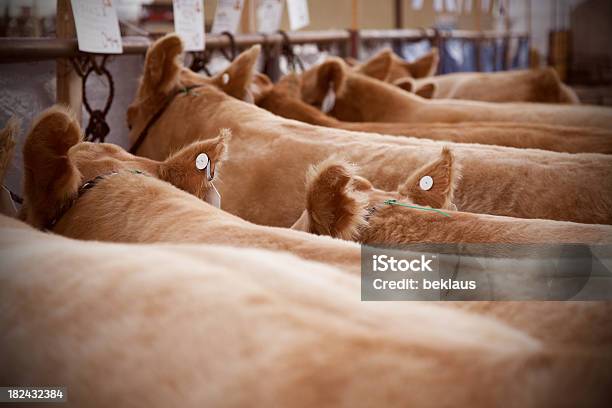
(270,153)
(533,85)
(196,325)
(341,204)
(284,99)
(132,207)
(90,191)
(359,98)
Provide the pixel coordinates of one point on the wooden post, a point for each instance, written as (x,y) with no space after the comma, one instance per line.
(354,30)
(69,83)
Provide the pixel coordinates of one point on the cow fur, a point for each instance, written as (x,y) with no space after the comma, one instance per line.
(284,99)
(271,154)
(394,225)
(198,325)
(400,225)
(530,85)
(128,207)
(359,98)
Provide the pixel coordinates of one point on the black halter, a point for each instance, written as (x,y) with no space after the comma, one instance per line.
(88,185)
(167,101)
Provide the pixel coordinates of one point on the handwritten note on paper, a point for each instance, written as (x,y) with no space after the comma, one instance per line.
(298,14)
(269,14)
(189,23)
(227,16)
(97,26)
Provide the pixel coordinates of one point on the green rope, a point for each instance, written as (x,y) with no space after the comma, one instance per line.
(394,202)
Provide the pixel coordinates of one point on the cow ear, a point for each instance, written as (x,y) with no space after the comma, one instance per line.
(425,66)
(162,66)
(260,86)
(7,144)
(427,90)
(322,80)
(290,85)
(433,184)
(237,78)
(333,205)
(189,168)
(407,84)
(50,177)
(378,67)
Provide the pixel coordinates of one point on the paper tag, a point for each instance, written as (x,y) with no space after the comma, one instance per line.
(467,6)
(451,5)
(269,14)
(97,26)
(298,14)
(438,5)
(330,100)
(213,197)
(189,23)
(485,5)
(227,16)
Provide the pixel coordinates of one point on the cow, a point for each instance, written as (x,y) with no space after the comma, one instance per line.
(174,107)
(284,99)
(342,204)
(527,85)
(100,192)
(162,325)
(358,98)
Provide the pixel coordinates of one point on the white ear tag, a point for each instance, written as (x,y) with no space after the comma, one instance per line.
(330,99)
(426,183)
(225,78)
(202,161)
(213,197)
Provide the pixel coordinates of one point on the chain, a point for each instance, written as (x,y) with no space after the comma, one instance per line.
(85,64)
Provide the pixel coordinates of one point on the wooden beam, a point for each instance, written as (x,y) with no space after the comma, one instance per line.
(69,83)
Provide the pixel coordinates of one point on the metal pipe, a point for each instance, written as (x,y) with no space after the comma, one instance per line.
(28,49)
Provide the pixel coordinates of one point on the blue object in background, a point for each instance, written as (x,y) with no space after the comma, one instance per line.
(458,55)
(413,50)
(520,60)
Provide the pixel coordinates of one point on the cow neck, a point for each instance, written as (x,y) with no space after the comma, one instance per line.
(88,185)
(158,114)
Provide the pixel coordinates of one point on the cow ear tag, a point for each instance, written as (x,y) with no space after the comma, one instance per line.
(203,163)
(426,183)
(213,197)
(330,99)
(225,78)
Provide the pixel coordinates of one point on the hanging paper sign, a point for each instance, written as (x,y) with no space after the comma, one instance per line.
(467,6)
(227,16)
(298,14)
(417,4)
(97,26)
(189,23)
(451,5)
(486,5)
(269,14)
(438,5)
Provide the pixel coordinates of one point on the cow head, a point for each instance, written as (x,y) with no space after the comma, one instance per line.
(387,66)
(164,74)
(341,204)
(57,161)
